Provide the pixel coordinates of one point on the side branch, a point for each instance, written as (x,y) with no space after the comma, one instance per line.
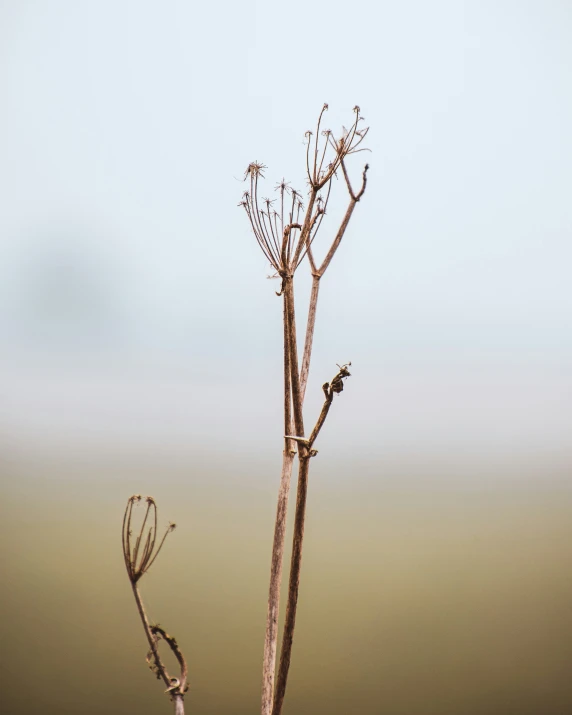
(354,198)
(176,683)
(335,386)
(329,388)
(309,334)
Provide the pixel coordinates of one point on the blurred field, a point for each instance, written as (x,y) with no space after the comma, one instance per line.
(418,597)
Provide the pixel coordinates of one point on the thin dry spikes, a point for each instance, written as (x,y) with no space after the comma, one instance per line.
(275,231)
(137,565)
(316,143)
(342,147)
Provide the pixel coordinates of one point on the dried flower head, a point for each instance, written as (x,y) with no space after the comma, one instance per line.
(139,556)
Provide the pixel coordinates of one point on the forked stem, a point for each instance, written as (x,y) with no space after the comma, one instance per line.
(296,244)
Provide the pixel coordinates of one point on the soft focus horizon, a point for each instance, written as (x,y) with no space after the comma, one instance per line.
(141,351)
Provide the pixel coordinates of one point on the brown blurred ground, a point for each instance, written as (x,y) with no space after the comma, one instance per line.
(420,595)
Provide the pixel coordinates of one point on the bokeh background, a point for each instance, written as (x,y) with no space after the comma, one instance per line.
(141,353)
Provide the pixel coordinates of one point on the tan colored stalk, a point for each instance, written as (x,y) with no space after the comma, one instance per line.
(297,240)
(138,562)
(310,326)
(271,636)
(306,452)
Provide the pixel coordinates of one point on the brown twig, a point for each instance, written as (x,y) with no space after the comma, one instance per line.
(138,563)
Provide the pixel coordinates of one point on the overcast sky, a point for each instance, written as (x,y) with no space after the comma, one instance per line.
(133,299)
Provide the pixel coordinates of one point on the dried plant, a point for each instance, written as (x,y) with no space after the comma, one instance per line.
(285,230)
(139,557)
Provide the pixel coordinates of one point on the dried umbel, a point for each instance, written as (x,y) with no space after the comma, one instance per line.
(285,229)
(140,553)
(139,557)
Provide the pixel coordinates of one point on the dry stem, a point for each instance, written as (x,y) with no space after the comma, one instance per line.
(271,636)
(297,237)
(137,564)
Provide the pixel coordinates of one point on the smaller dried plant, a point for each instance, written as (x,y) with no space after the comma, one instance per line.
(139,556)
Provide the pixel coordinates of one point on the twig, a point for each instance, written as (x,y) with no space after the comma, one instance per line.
(137,566)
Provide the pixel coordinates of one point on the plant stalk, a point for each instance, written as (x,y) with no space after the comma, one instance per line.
(293,585)
(271,636)
(176,697)
(310,326)
(149,634)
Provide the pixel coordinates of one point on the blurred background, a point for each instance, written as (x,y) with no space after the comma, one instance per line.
(141,353)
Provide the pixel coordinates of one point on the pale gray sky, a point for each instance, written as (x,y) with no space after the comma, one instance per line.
(133,299)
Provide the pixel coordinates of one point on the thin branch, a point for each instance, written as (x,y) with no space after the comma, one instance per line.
(315,175)
(174,646)
(330,389)
(345,221)
(160,669)
(176,687)
(308,135)
(355,197)
(310,326)
(337,240)
(311,260)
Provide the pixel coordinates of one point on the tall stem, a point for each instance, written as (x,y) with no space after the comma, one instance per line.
(293,586)
(299,382)
(292,344)
(309,334)
(271,637)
